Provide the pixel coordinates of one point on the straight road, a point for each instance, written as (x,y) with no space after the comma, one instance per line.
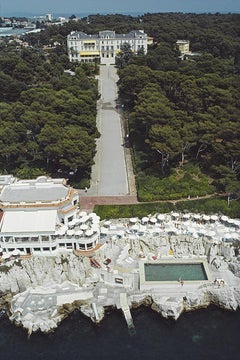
(109,173)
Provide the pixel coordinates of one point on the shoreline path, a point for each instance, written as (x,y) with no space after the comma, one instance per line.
(112,178)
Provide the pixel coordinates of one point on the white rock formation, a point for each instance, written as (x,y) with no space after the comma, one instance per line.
(67,282)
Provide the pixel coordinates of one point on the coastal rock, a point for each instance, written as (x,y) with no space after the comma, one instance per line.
(168,307)
(18,275)
(224,298)
(234,266)
(196,300)
(44,308)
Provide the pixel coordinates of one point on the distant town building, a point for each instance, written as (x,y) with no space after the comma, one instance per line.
(49,17)
(104,46)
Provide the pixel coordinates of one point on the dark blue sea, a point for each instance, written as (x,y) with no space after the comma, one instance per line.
(201,335)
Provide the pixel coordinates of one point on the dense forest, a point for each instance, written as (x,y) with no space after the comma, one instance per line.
(48,117)
(182,115)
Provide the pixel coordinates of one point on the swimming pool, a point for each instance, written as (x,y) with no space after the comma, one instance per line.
(175,271)
(170,271)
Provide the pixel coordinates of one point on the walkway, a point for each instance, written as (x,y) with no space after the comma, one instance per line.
(109,174)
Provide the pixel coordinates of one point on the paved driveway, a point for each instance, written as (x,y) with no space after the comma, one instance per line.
(109,174)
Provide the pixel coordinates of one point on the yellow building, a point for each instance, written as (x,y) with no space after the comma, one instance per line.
(183,46)
(104,46)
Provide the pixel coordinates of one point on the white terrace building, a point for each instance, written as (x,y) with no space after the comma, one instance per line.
(104,46)
(37,216)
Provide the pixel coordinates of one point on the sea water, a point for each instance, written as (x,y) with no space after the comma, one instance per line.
(205,334)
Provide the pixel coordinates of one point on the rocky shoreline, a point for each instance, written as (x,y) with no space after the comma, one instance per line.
(39,292)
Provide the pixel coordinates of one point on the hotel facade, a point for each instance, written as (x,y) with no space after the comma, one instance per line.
(104,46)
(41,216)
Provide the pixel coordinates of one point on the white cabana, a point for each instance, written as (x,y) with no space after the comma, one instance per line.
(153,220)
(171,230)
(16,252)
(226,237)
(78,233)
(175,215)
(92,215)
(213,218)
(82,214)
(196,216)
(84,227)
(83,219)
(135,227)
(206,218)
(186,216)
(107,223)
(230,221)
(70,232)
(224,218)
(237,223)
(60,232)
(89,233)
(103,231)
(144,220)
(72,223)
(94,228)
(95,221)
(161,217)
(133,220)
(5,256)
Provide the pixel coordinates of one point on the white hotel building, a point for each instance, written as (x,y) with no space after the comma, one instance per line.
(104,46)
(41,216)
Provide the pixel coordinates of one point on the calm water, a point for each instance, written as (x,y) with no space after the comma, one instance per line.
(206,334)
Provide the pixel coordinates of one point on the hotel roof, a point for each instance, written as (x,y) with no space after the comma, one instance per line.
(31,191)
(107,34)
(29,221)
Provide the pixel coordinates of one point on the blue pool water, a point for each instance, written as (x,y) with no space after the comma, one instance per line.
(206,334)
(172,272)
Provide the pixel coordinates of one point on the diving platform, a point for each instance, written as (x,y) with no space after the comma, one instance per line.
(126,312)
